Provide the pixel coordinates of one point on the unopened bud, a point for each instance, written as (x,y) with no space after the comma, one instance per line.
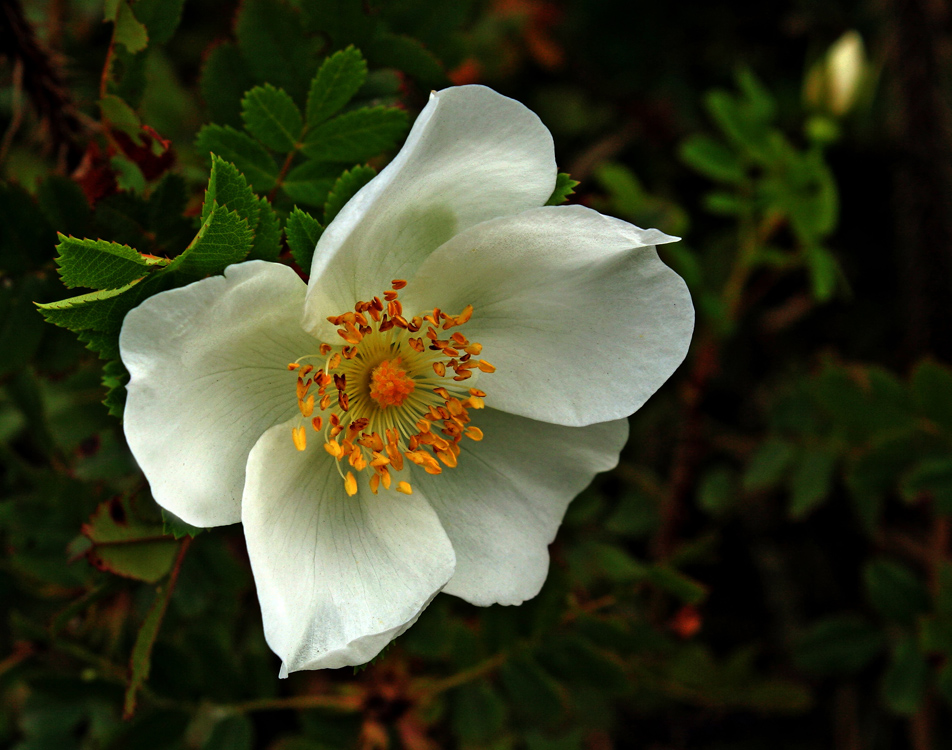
(835,81)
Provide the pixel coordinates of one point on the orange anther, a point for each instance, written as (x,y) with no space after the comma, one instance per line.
(317,423)
(299,436)
(474,433)
(350,484)
(307,407)
(333,447)
(405,488)
(439,368)
(398,283)
(293,366)
(485,366)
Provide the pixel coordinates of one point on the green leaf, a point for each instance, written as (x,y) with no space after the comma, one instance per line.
(574,659)
(722,203)
(234,732)
(676,583)
(165,215)
(128,30)
(873,474)
(340,77)
(303,232)
(127,545)
(713,159)
(824,271)
(161,18)
(128,174)
(104,343)
(114,378)
(533,694)
(344,189)
(478,713)
(895,591)
(310,182)
(244,152)
(932,390)
(345,22)
(65,205)
(811,480)
(932,477)
(635,516)
(223,239)
(906,678)
(225,79)
(356,136)
(98,264)
(564,187)
(228,187)
(267,241)
(272,117)
(410,56)
(734,120)
(768,464)
(717,491)
(102,310)
(141,660)
(174,526)
(272,43)
(841,644)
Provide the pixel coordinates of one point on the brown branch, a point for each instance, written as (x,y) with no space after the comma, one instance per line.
(279,180)
(43,82)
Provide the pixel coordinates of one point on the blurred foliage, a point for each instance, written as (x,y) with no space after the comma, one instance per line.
(769,566)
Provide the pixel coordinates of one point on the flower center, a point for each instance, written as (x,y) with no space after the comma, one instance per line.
(393,391)
(389,383)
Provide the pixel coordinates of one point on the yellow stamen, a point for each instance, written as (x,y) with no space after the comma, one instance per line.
(391,390)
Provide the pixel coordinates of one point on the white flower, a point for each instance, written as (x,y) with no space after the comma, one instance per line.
(576,312)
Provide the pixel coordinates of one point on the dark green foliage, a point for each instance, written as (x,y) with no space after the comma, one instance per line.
(344,189)
(303,232)
(355,136)
(564,187)
(225,79)
(272,117)
(97,264)
(160,17)
(269,38)
(252,160)
(838,645)
(336,83)
(772,549)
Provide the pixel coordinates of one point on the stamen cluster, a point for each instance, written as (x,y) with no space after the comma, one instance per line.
(391,395)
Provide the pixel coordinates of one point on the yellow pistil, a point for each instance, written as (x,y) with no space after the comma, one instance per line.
(392,391)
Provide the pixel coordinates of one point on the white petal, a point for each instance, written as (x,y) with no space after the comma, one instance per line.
(578,314)
(472,155)
(338,577)
(502,505)
(208,365)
